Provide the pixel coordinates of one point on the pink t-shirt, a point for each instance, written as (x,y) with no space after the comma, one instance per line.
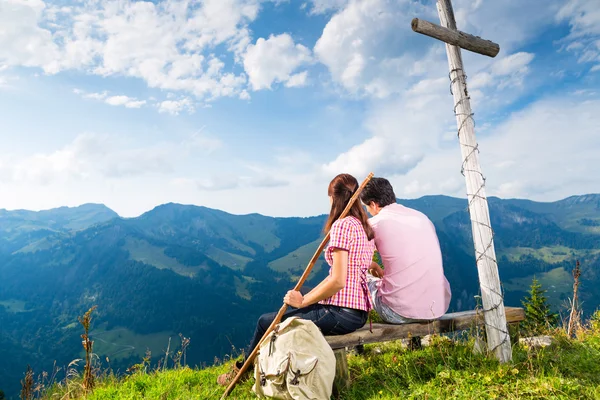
(349,234)
(413,283)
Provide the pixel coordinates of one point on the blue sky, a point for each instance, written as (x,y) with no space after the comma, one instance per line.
(254,105)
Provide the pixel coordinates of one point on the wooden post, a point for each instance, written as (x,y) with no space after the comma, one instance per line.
(574,319)
(487,267)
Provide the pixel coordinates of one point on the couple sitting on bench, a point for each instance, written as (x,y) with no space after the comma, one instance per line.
(412,287)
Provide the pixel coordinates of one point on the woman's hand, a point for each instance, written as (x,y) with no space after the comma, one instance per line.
(376,270)
(293,298)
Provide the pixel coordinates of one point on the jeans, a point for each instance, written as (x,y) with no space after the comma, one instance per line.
(331,320)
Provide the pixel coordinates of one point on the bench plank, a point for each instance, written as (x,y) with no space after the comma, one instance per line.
(447,323)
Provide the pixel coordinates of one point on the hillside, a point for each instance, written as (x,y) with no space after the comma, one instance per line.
(208,274)
(449,370)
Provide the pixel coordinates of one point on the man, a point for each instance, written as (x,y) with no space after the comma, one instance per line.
(412,286)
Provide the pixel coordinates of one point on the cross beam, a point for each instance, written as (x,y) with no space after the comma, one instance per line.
(485,254)
(456,37)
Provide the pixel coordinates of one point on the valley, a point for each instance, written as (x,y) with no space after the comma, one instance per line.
(208,275)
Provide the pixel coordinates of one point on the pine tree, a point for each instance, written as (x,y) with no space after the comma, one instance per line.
(538,317)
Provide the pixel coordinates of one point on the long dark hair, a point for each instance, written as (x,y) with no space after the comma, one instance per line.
(341,189)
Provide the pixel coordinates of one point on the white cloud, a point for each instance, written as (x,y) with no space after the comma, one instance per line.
(244,95)
(274,60)
(170,44)
(509,71)
(370,49)
(376,154)
(93,156)
(174,107)
(517,62)
(324,6)
(266,182)
(366,46)
(583,17)
(119,100)
(526,156)
(297,80)
(402,131)
(22,40)
(124,101)
(229,181)
(206,144)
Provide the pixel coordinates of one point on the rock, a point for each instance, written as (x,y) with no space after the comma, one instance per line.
(479,346)
(537,341)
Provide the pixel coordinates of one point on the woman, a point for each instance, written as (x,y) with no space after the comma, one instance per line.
(340,303)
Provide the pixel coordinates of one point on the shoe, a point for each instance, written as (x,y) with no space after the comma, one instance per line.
(226,378)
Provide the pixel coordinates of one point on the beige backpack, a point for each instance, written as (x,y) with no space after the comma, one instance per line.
(294,362)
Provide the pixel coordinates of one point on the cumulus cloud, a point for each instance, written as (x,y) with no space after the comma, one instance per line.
(297,80)
(370,49)
(170,45)
(526,156)
(365,46)
(509,71)
(23,41)
(401,132)
(374,154)
(274,60)
(174,107)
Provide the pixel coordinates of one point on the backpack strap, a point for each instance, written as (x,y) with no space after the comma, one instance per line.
(273,339)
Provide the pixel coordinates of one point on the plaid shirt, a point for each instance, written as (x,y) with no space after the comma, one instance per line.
(348,234)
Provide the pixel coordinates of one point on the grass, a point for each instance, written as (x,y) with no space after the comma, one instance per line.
(241,288)
(230,260)
(121,343)
(14,306)
(551,255)
(142,251)
(297,259)
(557,281)
(568,369)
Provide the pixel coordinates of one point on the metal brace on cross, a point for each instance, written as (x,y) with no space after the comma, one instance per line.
(487,267)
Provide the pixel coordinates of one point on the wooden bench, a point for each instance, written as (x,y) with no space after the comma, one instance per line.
(386,332)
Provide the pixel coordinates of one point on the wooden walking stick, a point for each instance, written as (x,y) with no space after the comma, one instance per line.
(303,278)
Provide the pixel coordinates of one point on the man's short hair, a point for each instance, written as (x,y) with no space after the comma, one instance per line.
(380,191)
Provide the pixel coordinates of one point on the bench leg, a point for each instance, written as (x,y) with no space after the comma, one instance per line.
(415,343)
(342,375)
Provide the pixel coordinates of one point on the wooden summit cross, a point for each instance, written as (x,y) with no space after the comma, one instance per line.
(487,267)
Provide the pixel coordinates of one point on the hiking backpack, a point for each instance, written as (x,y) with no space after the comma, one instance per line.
(294,362)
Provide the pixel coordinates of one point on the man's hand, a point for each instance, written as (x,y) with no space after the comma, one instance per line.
(293,298)
(376,270)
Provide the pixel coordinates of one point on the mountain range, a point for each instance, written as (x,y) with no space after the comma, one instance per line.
(207,274)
